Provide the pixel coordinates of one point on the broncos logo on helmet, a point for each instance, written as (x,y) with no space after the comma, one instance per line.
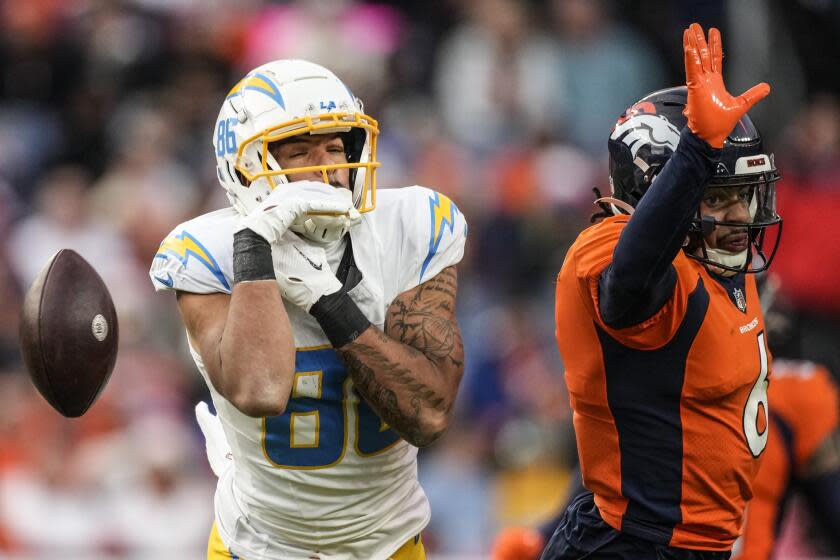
(646,130)
(646,136)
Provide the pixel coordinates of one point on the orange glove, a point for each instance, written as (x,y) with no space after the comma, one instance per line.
(711,111)
(518,543)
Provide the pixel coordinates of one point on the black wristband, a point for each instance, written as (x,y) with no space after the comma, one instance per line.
(251,257)
(340,318)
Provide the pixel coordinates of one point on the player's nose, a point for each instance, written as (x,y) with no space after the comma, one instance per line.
(318,155)
(738,211)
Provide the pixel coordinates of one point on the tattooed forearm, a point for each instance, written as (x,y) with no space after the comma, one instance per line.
(424,319)
(410,373)
(430,334)
(374,373)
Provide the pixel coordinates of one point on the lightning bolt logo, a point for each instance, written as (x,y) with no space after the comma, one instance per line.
(443,212)
(183,246)
(260,83)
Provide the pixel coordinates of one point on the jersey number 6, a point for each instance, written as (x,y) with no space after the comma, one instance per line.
(756,400)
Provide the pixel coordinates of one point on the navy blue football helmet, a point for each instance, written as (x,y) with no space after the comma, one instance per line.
(647,134)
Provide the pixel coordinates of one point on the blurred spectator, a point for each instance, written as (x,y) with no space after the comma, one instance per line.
(608,66)
(63,220)
(316,30)
(809,201)
(456,480)
(158,499)
(499,78)
(764,50)
(145,190)
(123,44)
(11,302)
(97,485)
(48,504)
(30,138)
(11,293)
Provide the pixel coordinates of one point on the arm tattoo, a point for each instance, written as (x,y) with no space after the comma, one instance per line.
(424,318)
(420,374)
(362,361)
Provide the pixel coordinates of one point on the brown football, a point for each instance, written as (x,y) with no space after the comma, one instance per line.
(69,333)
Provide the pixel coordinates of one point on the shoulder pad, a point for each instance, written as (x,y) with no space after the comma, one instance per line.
(197,255)
(435,233)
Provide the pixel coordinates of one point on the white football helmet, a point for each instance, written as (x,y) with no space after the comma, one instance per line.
(286,98)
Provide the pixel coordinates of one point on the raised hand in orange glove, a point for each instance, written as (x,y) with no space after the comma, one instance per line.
(518,543)
(711,111)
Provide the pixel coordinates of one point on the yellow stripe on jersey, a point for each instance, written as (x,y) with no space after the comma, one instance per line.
(442,213)
(182,246)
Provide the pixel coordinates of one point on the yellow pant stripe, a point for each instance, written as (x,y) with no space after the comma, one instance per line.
(411,550)
(216,550)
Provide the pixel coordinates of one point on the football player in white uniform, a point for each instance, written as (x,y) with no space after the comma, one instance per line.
(322,316)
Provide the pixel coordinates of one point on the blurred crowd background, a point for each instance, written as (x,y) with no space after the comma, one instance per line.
(106,116)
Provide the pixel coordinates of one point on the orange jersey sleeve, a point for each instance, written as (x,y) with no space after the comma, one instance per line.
(592,253)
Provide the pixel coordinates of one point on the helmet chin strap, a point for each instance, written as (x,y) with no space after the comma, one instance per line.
(617,205)
(727,258)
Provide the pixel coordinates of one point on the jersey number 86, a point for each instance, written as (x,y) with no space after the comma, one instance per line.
(314,430)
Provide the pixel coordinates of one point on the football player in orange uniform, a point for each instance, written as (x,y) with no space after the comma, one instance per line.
(660,327)
(803,452)
(802,455)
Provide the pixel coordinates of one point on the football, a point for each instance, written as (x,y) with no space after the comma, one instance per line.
(69,333)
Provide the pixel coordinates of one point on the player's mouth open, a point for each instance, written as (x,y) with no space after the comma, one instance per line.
(734,242)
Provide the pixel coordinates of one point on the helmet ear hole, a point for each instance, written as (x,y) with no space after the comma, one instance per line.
(651,173)
(354,143)
(245,182)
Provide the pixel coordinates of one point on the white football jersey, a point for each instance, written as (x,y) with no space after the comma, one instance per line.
(327,477)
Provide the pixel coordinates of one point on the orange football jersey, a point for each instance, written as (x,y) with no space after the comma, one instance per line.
(669,414)
(805,410)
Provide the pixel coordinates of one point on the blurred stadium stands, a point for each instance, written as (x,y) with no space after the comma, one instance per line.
(106,116)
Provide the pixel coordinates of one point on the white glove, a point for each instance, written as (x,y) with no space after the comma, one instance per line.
(218,450)
(325,227)
(316,210)
(303,272)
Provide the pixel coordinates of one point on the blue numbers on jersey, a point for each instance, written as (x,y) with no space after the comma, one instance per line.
(313,431)
(225,137)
